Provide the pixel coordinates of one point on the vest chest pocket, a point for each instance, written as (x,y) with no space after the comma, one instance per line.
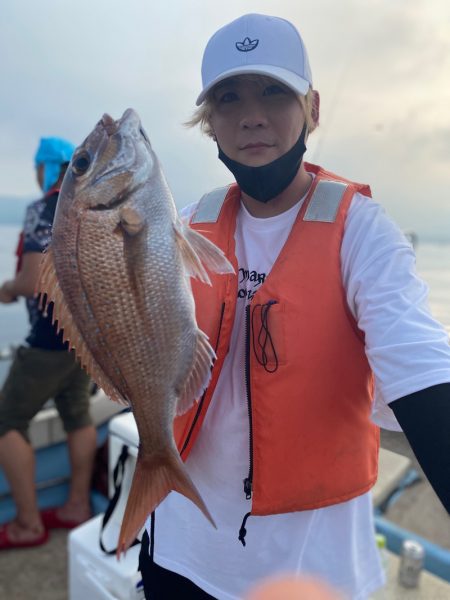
(268,337)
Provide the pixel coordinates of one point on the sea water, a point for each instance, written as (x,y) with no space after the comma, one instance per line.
(433,265)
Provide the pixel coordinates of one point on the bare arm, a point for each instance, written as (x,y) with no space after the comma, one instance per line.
(25,281)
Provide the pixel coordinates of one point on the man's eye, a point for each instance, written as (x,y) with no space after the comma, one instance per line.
(228,97)
(271,90)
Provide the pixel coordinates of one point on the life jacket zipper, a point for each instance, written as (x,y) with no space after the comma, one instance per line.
(202,399)
(248,481)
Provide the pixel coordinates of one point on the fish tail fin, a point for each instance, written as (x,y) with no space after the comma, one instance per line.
(154,478)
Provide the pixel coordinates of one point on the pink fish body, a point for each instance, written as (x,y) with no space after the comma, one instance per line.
(118,272)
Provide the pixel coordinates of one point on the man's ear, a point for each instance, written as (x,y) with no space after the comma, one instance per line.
(315,112)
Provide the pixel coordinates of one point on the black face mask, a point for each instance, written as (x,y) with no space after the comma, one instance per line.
(266,182)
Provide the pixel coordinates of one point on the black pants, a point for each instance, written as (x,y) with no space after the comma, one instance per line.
(162,584)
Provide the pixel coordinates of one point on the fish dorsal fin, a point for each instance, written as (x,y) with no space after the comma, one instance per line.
(200,374)
(198,252)
(48,284)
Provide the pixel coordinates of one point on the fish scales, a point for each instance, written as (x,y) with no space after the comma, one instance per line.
(118,272)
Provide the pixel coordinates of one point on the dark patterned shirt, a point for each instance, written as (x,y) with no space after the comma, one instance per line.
(37,235)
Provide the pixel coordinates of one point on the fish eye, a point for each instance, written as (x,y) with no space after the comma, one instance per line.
(81,163)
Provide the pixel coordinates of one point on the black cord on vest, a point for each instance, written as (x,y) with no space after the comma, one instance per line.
(242,530)
(264,337)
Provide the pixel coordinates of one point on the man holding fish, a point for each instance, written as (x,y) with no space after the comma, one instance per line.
(310,329)
(325,302)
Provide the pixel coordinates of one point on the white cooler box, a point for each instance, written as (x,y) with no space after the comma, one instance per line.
(122,431)
(93,575)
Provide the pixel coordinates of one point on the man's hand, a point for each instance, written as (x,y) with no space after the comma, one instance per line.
(6,294)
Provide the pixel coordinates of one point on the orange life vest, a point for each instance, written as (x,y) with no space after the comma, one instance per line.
(312,443)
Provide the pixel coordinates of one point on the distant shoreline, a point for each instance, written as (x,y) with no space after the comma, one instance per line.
(12,212)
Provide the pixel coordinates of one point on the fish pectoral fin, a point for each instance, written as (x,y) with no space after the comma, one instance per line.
(211,255)
(130,220)
(198,252)
(199,376)
(189,256)
(154,477)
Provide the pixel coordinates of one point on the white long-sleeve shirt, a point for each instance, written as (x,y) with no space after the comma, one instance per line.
(407,351)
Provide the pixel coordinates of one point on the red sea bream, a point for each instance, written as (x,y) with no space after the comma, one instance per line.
(118,272)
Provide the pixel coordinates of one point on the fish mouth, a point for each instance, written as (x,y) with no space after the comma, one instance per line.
(109,124)
(129,118)
(112,127)
(126,127)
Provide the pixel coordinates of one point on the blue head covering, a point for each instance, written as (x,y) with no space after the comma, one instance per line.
(52,153)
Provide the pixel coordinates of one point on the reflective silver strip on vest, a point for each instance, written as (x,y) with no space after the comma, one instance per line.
(209,207)
(325,202)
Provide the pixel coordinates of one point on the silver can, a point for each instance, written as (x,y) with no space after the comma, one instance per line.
(411,563)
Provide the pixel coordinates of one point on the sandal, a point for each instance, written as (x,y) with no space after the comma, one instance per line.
(6,543)
(51,520)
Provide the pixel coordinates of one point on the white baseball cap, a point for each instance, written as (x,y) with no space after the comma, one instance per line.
(256,44)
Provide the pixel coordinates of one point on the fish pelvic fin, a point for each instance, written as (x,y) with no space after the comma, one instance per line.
(50,290)
(154,477)
(198,252)
(200,374)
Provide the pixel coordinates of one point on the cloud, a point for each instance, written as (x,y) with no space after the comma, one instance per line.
(382,68)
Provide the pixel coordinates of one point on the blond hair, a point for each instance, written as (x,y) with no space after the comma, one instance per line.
(202,115)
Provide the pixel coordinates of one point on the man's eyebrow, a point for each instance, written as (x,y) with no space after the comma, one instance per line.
(229,82)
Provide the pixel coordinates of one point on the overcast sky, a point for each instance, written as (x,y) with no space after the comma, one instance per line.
(382,68)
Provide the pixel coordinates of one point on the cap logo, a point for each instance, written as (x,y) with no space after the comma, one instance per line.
(247,45)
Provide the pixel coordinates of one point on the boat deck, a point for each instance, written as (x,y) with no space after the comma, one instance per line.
(41,573)
(417,509)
